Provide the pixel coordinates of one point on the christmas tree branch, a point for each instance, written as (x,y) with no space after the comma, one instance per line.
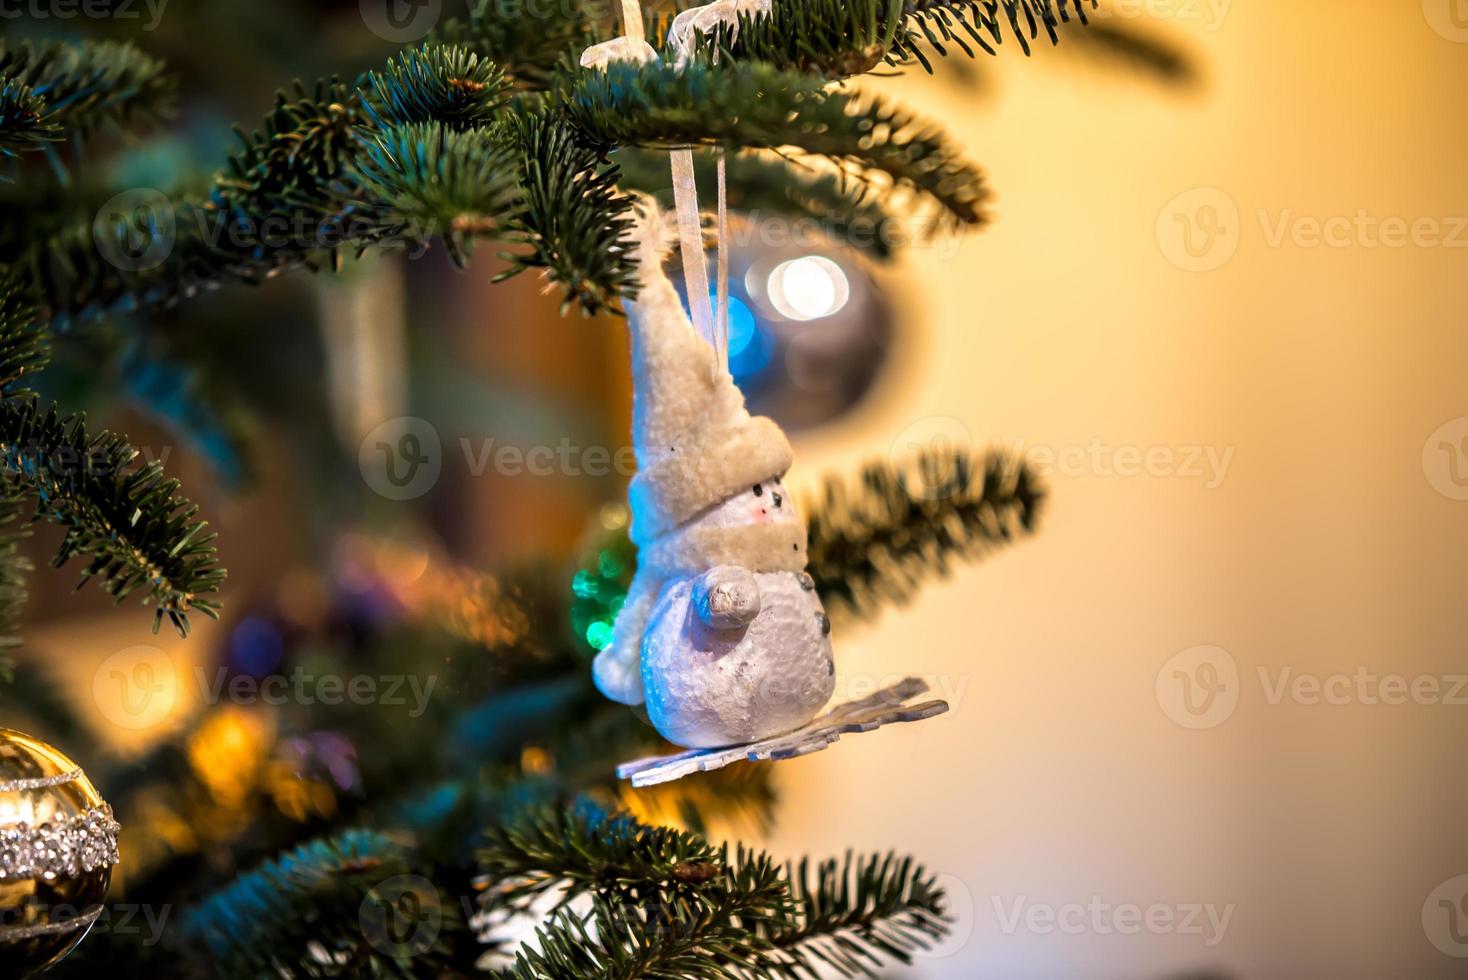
(832,39)
(441,83)
(755,105)
(292,165)
(570,215)
(275,207)
(712,936)
(342,167)
(840,38)
(858,912)
(761,186)
(303,914)
(24,344)
(584,850)
(318,177)
(533,51)
(24,122)
(138,533)
(396,165)
(982,22)
(875,541)
(427,181)
(50,89)
(656,890)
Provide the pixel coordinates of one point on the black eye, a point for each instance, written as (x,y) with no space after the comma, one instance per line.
(777,499)
(759,489)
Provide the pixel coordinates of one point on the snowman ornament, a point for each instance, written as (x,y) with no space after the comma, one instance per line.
(722,635)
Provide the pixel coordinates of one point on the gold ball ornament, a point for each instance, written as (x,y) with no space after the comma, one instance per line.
(58,845)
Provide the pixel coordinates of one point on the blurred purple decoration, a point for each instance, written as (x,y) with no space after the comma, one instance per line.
(325,751)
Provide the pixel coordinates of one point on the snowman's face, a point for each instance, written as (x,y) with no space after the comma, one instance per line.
(763,503)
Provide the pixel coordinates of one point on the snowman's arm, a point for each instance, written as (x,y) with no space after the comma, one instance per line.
(618,669)
(726,597)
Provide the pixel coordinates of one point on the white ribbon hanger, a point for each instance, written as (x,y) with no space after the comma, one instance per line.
(633,46)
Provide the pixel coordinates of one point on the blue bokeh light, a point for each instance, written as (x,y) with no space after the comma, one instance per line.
(742,326)
(256,647)
(750,343)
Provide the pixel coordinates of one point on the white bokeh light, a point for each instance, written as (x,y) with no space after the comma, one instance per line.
(808,288)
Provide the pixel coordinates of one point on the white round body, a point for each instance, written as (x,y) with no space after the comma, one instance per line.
(709,687)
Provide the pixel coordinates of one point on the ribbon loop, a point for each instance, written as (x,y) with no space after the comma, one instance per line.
(624,48)
(706,20)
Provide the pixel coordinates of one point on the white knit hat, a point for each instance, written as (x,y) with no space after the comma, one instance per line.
(696,443)
(696,446)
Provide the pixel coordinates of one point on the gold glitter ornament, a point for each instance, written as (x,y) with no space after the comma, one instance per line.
(58,845)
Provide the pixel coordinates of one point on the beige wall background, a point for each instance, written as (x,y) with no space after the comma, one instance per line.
(1330,544)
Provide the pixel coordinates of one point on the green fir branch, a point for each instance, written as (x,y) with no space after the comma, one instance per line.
(440,83)
(309,913)
(582,850)
(533,49)
(317,178)
(875,541)
(144,253)
(337,167)
(982,23)
(764,186)
(570,216)
(853,915)
(87,86)
(275,207)
(36,210)
(666,904)
(837,39)
(24,123)
(323,175)
(833,39)
(712,936)
(140,535)
(24,344)
(291,165)
(429,181)
(756,105)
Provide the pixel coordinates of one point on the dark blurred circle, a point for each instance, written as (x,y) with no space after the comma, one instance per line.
(809,329)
